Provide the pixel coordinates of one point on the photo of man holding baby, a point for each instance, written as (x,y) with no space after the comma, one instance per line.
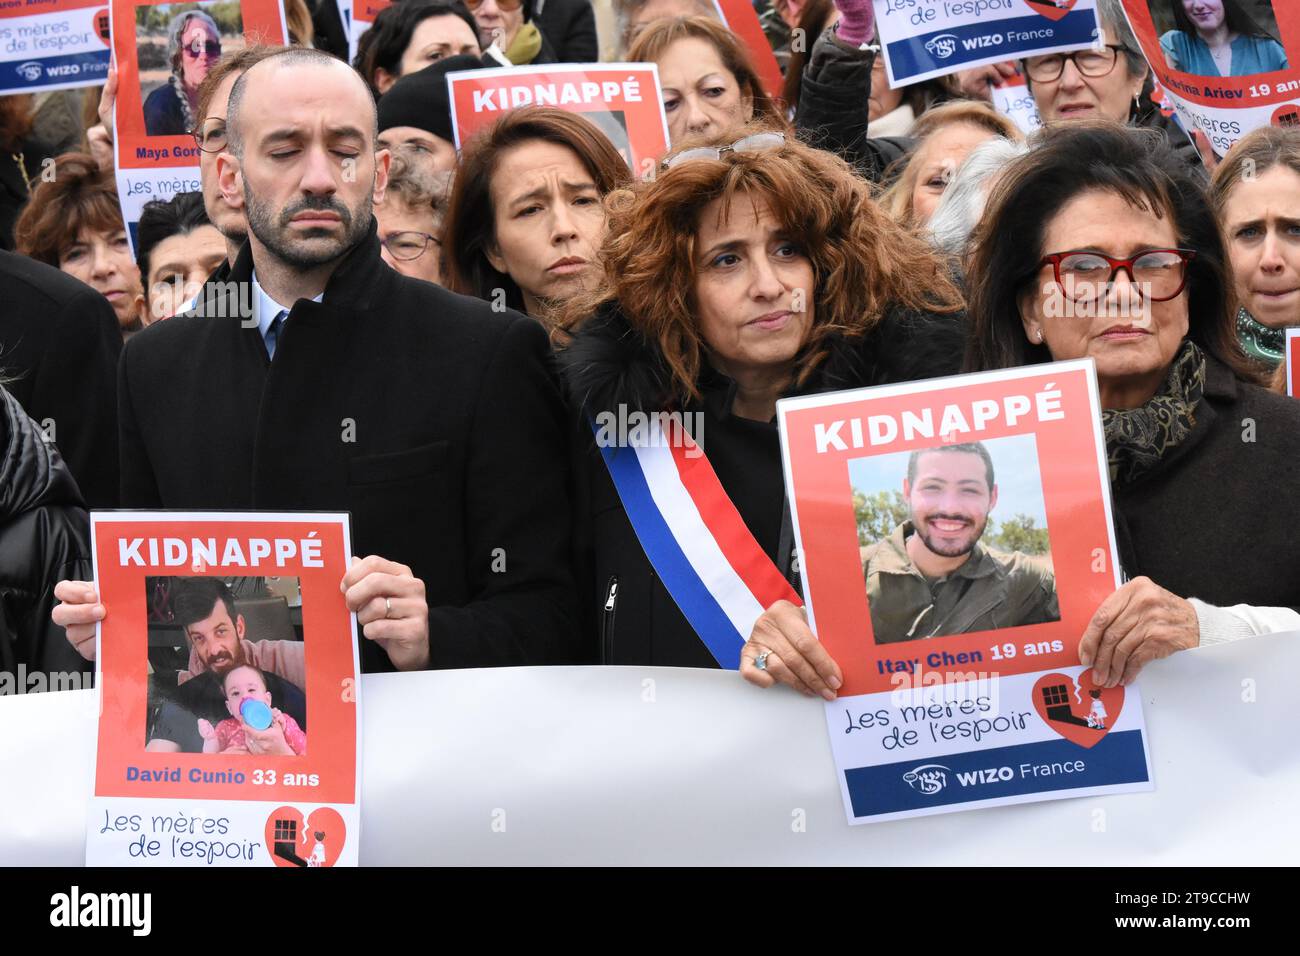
(227,666)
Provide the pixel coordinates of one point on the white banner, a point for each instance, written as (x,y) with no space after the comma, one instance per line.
(628,765)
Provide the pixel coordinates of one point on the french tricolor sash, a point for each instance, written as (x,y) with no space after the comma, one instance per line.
(694,537)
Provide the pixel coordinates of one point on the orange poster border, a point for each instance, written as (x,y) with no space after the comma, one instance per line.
(263,21)
(647,127)
(329,636)
(1076,493)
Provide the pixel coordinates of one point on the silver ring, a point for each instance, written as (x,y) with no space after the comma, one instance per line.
(761,660)
(388,607)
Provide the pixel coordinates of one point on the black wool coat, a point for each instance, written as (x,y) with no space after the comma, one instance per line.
(610,366)
(59,344)
(436,421)
(1216,518)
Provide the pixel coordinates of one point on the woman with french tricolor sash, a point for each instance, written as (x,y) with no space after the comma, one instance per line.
(752,268)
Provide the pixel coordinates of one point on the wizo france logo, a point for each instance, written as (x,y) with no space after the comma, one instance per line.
(942,46)
(29,71)
(928,778)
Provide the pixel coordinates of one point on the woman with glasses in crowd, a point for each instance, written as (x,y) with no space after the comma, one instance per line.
(708,82)
(407,37)
(409,217)
(1109,81)
(1098,244)
(526,217)
(753,267)
(1256,191)
(193,48)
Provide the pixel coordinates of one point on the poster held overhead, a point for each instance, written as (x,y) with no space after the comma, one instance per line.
(742,20)
(923,39)
(163,51)
(1226,67)
(52,45)
(955,540)
(622,99)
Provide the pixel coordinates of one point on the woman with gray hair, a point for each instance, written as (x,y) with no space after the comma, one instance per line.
(193,48)
(952,227)
(1107,81)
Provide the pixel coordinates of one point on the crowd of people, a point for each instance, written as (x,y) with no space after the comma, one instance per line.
(352,315)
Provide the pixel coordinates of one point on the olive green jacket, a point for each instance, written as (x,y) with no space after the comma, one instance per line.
(992,590)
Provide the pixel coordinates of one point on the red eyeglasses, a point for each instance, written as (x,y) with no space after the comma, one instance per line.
(1160,274)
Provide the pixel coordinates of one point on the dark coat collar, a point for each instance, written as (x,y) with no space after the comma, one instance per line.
(611,364)
(361,278)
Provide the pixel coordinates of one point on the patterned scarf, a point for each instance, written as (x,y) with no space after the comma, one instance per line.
(1261,343)
(1138,438)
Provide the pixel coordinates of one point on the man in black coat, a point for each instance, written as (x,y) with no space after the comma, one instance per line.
(59,343)
(316,378)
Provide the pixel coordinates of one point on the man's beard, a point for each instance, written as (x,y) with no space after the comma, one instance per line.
(272,229)
(930,539)
(223,663)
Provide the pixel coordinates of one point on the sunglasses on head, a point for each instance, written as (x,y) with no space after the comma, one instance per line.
(755,143)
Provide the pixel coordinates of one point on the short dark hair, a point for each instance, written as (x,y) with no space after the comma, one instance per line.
(383,45)
(194,599)
(163,218)
(288,56)
(1066,160)
(967,448)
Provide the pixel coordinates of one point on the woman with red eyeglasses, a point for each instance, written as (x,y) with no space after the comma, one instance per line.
(1100,244)
(193,47)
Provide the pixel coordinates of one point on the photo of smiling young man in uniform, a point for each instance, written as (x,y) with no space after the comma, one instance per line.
(932,577)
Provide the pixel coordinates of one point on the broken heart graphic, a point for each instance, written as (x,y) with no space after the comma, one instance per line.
(1076,708)
(316,842)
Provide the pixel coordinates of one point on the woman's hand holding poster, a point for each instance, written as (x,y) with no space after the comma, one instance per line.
(1226,66)
(227,674)
(955,540)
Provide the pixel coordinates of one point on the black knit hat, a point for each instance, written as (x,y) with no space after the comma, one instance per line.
(420,99)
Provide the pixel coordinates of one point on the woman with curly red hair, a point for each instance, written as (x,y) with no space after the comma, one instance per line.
(751,269)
